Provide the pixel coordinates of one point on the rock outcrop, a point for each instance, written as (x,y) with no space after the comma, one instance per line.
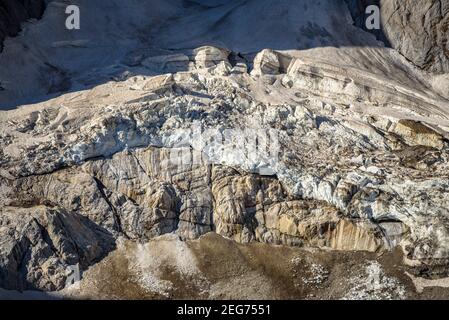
(39,243)
(14,12)
(203,151)
(418,30)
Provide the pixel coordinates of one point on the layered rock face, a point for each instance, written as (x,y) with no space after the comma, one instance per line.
(40,242)
(341,148)
(418,30)
(175,154)
(14,12)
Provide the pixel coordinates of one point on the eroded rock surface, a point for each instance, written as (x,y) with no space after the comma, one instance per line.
(132,159)
(343,146)
(14,12)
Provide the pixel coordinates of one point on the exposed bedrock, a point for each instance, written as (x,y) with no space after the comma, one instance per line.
(71,216)
(131,159)
(14,12)
(419,30)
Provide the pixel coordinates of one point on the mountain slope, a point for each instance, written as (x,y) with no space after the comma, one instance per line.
(258,121)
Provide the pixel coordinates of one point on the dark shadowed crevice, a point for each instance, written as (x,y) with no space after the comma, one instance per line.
(358,13)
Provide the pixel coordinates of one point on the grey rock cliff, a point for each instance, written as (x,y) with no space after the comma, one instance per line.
(339,147)
(124,161)
(419,30)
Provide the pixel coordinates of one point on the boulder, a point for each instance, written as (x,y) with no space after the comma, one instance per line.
(208,56)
